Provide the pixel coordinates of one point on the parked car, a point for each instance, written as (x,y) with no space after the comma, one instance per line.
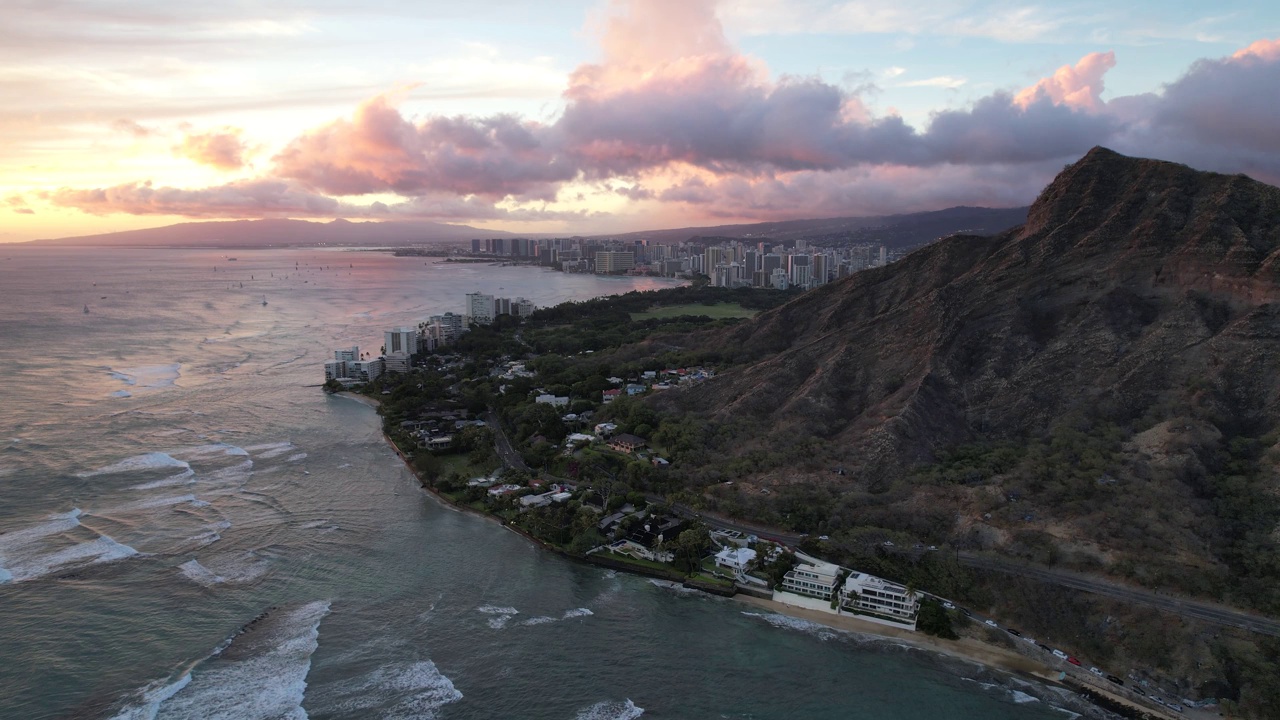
(1097,672)
(824,538)
(1116,680)
(1044,647)
(1013,632)
(1175,706)
(966,612)
(1059,654)
(948,605)
(888,543)
(933,547)
(1074,661)
(1030,640)
(992,623)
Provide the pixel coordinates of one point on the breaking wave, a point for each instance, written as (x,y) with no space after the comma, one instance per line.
(611,710)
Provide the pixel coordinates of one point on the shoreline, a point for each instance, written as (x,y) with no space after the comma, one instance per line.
(968,649)
(363,400)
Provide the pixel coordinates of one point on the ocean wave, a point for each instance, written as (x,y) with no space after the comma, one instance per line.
(139,463)
(28,563)
(153,377)
(399,690)
(786,622)
(122,394)
(611,710)
(1022,698)
(266,451)
(266,680)
(296,457)
(186,477)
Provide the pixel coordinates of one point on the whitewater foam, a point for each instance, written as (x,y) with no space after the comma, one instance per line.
(268,684)
(611,710)
(34,565)
(186,477)
(137,463)
(152,377)
(822,632)
(399,690)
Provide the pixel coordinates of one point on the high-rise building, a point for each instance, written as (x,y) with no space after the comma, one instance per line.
(350,354)
(614,261)
(401,341)
(479,308)
(779,279)
(711,257)
(820,269)
(475,245)
(884,256)
(770,262)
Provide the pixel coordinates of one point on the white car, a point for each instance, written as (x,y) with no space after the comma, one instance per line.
(992,623)
(948,606)
(1097,672)
(1059,654)
(1030,640)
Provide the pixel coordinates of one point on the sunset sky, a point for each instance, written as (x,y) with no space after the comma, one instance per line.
(573,116)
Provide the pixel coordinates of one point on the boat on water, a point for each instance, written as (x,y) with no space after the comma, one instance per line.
(264,300)
(86,309)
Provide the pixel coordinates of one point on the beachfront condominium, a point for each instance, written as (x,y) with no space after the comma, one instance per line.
(350,354)
(818,581)
(401,341)
(609,261)
(870,595)
(479,308)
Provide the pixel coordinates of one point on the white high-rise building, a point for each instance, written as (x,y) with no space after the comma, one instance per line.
(479,308)
(401,341)
(350,354)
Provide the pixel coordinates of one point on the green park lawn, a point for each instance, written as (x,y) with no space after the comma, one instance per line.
(716,312)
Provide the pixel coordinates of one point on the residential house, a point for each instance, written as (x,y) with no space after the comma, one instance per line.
(735,559)
(611,395)
(627,443)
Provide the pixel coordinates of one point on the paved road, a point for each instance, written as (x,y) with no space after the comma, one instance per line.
(1197,609)
(502,444)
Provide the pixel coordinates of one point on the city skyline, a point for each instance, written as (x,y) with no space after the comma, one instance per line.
(591,117)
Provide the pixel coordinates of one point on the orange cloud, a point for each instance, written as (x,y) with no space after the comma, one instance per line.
(1267,50)
(223,149)
(1077,86)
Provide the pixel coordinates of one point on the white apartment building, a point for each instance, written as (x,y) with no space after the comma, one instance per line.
(401,341)
(480,308)
(819,581)
(522,308)
(350,354)
(868,593)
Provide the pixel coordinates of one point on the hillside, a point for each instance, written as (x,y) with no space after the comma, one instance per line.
(1121,347)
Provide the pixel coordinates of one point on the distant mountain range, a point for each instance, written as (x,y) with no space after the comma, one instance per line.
(895,231)
(261,233)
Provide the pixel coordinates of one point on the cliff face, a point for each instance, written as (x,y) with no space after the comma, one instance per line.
(1131,280)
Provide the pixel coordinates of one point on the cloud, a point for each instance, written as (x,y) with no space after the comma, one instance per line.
(1078,86)
(223,149)
(248,198)
(15,200)
(24,211)
(673,114)
(379,150)
(131,127)
(941,81)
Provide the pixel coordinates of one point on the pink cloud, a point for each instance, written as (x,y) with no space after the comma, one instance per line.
(1078,86)
(223,149)
(671,94)
(1267,50)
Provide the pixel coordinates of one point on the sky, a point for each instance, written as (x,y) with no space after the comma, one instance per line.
(596,116)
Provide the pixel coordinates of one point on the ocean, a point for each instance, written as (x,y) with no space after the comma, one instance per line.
(191,528)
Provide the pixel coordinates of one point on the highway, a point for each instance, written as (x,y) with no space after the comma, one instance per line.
(502,444)
(1197,609)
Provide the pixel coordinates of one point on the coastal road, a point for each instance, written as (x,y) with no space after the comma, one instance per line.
(502,444)
(1197,609)
(720,522)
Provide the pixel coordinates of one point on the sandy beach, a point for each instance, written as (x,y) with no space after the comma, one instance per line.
(363,399)
(966,648)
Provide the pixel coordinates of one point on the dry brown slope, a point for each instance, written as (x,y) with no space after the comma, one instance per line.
(1131,278)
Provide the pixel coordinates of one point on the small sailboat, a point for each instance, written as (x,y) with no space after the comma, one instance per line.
(264,300)
(86,309)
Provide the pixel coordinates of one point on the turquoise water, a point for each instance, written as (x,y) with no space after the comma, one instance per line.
(169,473)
